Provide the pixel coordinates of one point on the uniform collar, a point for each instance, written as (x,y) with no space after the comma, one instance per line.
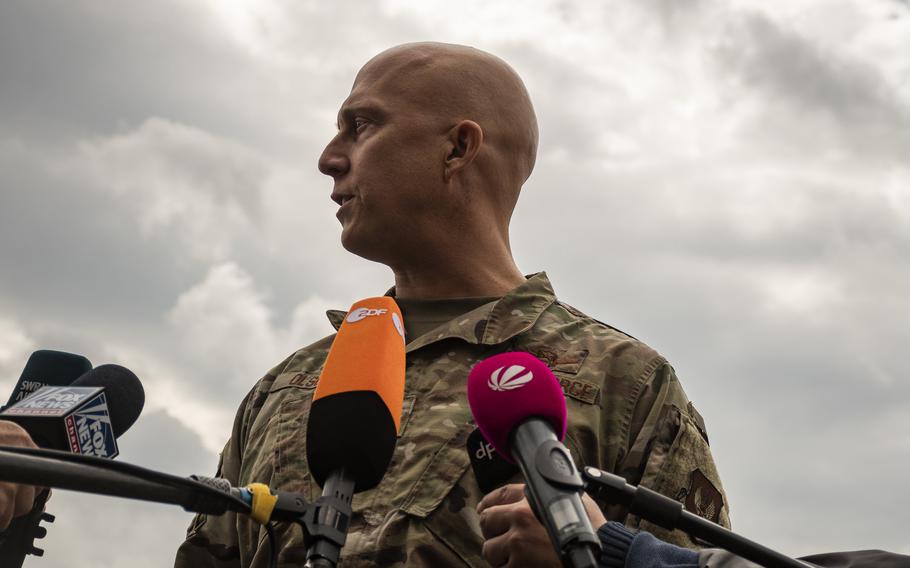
(490,324)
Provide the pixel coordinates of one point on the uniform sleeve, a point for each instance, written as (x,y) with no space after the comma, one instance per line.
(212,541)
(624,548)
(669,453)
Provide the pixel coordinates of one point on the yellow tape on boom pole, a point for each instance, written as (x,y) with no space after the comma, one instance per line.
(263,502)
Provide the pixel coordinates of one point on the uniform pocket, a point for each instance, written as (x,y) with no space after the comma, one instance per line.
(425,487)
(444,497)
(275,452)
(443,469)
(429,457)
(291,471)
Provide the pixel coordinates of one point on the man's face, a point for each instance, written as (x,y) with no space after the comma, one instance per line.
(387,164)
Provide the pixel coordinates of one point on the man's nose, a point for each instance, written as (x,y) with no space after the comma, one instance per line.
(333,162)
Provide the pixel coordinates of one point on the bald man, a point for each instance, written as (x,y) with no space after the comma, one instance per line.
(433,146)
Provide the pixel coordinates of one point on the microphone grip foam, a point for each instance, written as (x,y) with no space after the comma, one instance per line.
(353,430)
(507,389)
(355,413)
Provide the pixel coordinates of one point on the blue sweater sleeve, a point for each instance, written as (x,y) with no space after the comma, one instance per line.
(623,548)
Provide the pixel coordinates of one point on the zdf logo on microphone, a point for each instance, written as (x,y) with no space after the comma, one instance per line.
(511,378)
(362,313)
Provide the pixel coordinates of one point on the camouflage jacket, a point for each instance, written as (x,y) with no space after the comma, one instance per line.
(627,414)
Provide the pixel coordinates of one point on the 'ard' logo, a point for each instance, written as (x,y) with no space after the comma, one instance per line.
(510,378)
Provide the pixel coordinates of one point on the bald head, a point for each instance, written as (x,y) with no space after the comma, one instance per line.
(433,145)
(454,83)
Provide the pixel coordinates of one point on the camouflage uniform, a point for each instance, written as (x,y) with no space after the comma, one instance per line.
(627,414)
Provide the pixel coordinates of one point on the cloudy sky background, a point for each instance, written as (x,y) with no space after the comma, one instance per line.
(728,181)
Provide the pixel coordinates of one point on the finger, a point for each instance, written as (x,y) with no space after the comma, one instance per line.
(595,514)
(11,434)
(504,495)
(496,550)
(7,503)
(525,545)
(498,519)
(25,500)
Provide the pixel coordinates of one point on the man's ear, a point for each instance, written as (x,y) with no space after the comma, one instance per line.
(465,139)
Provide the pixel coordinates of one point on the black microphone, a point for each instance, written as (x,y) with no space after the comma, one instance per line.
(520,409)
(44,367)
(490,469)
(48,368)
(77,418)
(85,417)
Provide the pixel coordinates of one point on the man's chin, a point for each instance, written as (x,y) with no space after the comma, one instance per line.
(363,247)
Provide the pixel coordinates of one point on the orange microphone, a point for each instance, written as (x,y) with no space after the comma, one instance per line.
(356,410)
(354,419)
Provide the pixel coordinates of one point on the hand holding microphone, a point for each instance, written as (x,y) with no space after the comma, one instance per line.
(15,500)
(69,415)
(512,534)
(44,368)
(520,409)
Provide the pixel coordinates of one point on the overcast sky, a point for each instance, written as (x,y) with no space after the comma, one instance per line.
(726,180)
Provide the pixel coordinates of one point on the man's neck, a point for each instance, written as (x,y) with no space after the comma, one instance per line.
(482,280)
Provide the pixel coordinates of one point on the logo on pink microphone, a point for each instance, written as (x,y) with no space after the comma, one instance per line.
(509,378)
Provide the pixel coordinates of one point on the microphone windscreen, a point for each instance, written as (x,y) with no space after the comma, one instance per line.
(507,389)
(124,393)
(368,355)
(46,367)
(355,415)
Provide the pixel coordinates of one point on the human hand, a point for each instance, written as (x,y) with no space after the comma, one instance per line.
(15,499)
(513,535)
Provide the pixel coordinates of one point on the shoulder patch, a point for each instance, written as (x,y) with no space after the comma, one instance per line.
(702,498)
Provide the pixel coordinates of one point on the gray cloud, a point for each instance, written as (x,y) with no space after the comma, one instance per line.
(74,251)
(815,92)
(160,441)
(727,183)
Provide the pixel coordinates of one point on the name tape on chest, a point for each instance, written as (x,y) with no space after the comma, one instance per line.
(307,381)
(583,391)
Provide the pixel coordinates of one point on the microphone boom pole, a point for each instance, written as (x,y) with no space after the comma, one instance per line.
(23,465)
(324,522)
(671,515)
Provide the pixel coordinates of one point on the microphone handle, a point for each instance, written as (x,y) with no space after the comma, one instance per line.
(553,486)
(18,539)
(331,518)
